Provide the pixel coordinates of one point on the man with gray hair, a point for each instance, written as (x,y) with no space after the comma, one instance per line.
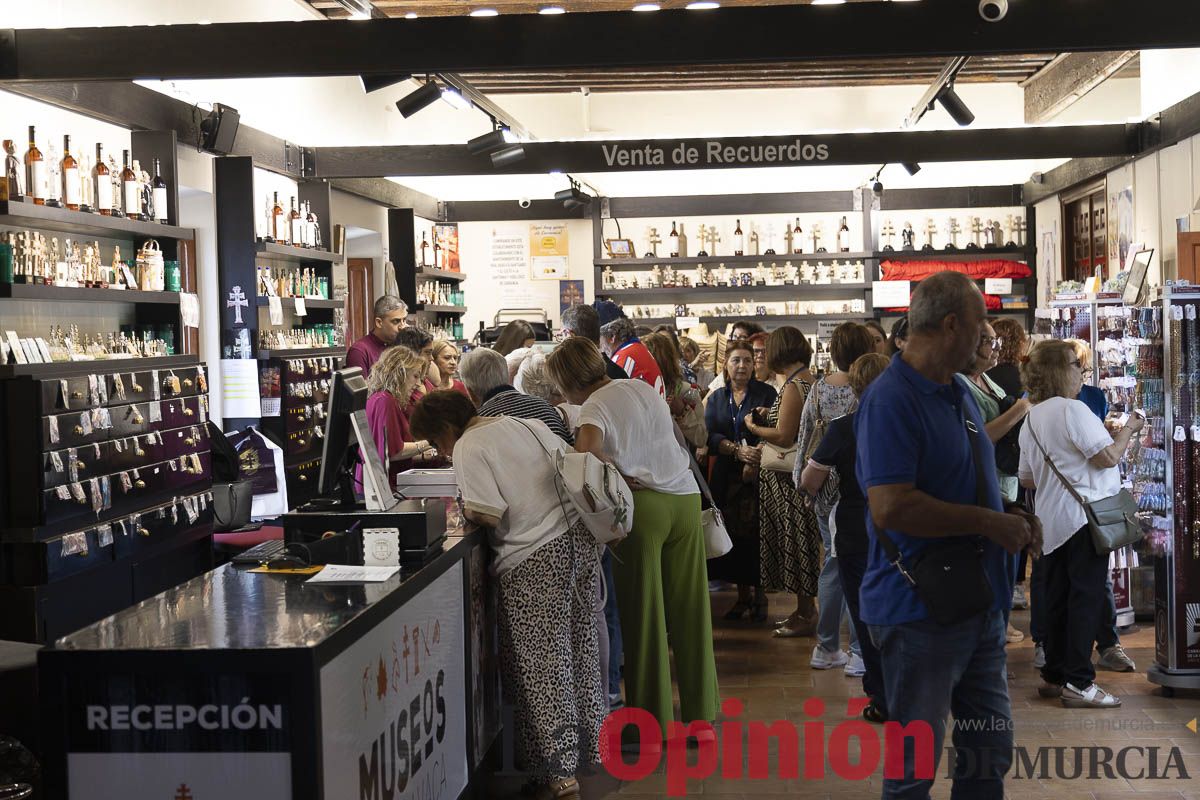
(584,320)
(390,318)
(485,374)
(936,512)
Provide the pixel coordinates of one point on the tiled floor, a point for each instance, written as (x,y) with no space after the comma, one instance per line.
(773,679)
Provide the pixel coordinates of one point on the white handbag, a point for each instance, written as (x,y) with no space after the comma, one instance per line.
(716,538)
(777,459)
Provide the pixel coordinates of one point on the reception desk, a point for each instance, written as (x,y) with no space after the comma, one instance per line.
(242,685)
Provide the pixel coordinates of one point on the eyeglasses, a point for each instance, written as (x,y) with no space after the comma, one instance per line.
(991,342)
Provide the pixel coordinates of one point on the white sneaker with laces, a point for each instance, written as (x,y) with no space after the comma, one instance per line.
(823,659)
(855,668)
(1116,659)
(1039,656)
(1091,697)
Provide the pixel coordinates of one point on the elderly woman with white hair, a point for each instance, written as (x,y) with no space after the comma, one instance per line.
(486,375)
(533,379)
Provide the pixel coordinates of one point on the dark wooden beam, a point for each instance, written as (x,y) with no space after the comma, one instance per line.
(952,197)
(456,44)
(1074,172)
(489,210)
(761,151)
(1066,80)
(390,194)
(731,205)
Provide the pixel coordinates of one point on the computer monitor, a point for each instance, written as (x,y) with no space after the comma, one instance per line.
(339,451)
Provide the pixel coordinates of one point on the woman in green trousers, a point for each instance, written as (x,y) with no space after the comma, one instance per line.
(662,585)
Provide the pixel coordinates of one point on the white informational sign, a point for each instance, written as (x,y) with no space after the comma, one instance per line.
(300,309)
(997,286)
(549,251)
(105,776)
(686,323)
(275,307)
(510,270)
(825,328)
(393,705)
(891,294)
(189,309)
(346,573)
(239,388)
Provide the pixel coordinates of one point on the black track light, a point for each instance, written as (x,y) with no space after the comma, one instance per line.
(877,187)
(373,83)
(955,107)
(414,101)
(573,198)
(911,167)
(508,156)
(489,142)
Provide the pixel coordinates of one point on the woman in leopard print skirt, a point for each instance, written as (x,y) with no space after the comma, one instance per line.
(548,569)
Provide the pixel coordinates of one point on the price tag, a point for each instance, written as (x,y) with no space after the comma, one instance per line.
(275,306)
(300,310)
(686,323)
(997,286)
(890,294)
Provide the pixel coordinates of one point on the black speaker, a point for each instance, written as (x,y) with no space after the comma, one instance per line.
(219,129)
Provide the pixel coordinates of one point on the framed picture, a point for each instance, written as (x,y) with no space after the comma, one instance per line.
(1136,284)
(620,248)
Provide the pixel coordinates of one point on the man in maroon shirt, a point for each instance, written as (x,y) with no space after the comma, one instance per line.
(391,314)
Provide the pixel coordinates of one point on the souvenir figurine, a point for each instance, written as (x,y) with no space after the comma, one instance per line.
(930,229)
(655,240)
(952,231)
(702,253)
(907,235)
(886,233)
(713,238)
(976,232)
(989,234)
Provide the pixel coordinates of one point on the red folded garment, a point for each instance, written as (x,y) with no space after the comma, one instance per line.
(993,304)
(919,270)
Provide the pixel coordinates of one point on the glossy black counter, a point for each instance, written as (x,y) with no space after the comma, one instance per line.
(238,684)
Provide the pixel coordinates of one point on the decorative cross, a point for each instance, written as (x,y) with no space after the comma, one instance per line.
(816,237)
(1020,226)
(712,237)
(887,232)
(655,240)
(931,228)
(976,230)
(770,238)
(953,229)
(754,238)
(701,235)
(237,301)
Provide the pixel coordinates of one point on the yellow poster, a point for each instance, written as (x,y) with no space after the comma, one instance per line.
(548,251)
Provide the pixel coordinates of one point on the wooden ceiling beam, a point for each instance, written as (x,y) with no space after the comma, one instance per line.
(1066,80)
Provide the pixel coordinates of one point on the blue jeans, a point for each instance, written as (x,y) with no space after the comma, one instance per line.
(831,603)
(615,648)
(851,569)
(932,671)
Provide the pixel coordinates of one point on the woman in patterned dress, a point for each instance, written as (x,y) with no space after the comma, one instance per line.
(790,554)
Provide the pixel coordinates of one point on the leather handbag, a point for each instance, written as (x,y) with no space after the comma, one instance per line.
(948,575)
(1112,521)
(778,459)
(232,504)
(716,537)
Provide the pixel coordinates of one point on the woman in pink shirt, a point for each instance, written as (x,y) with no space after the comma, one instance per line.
(392,381)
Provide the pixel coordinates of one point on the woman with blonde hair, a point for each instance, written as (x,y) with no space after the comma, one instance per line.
(1066,451)
(393,379)
(445,367)
(660,568)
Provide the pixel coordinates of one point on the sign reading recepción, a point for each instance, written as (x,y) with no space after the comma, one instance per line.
(393,705)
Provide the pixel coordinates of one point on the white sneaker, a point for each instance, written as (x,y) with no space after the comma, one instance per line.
(855,668)
(823,659)
(1116,659)
(1039,656)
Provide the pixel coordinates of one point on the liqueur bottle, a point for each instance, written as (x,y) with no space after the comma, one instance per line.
(843,237)
(70,177)
(424,251)
(159,188)
(35,170)
(278,229)
(294,225)
(674,239)
(131,192)
(739,240)
(12,169)
(797,238)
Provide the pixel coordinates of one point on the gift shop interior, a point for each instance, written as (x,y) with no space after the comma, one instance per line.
(215,217)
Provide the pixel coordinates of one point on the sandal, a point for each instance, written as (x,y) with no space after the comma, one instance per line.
(559,790)
(873,713)
(739,610)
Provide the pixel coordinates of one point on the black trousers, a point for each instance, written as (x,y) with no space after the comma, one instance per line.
(1075,588)
(852,568)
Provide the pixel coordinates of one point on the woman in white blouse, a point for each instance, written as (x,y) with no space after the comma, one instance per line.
(1063,431)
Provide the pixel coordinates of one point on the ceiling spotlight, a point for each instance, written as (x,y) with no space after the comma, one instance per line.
(492,141)
(485,12)
(911,167)
(552,10)
(373,83)
(454,98)
(877,187)
(411,15)
(573,198)
(702,5)
(955,107)
(413,102)
(647,7)
(508,156)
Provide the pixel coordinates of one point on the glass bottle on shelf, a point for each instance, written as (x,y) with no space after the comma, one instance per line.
(12,169)
(294,235)
(159,186)
(145,192)
(315,221)
(843,237)
(114,178)
(102,182)
(674,239)
(87,200)
(35,170)
(424,251)
(305,226)
(69,170)
(797,238)
(53,178)
(739,240)
(278,226)
(437,250)
(131,194)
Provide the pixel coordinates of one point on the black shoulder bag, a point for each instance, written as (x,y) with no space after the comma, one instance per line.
(948,575)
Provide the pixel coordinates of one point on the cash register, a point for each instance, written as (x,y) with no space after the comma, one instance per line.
(419,522)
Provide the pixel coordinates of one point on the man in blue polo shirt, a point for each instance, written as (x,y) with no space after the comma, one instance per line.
(916,462)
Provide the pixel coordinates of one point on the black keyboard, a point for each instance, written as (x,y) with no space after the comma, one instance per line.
(261,553)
